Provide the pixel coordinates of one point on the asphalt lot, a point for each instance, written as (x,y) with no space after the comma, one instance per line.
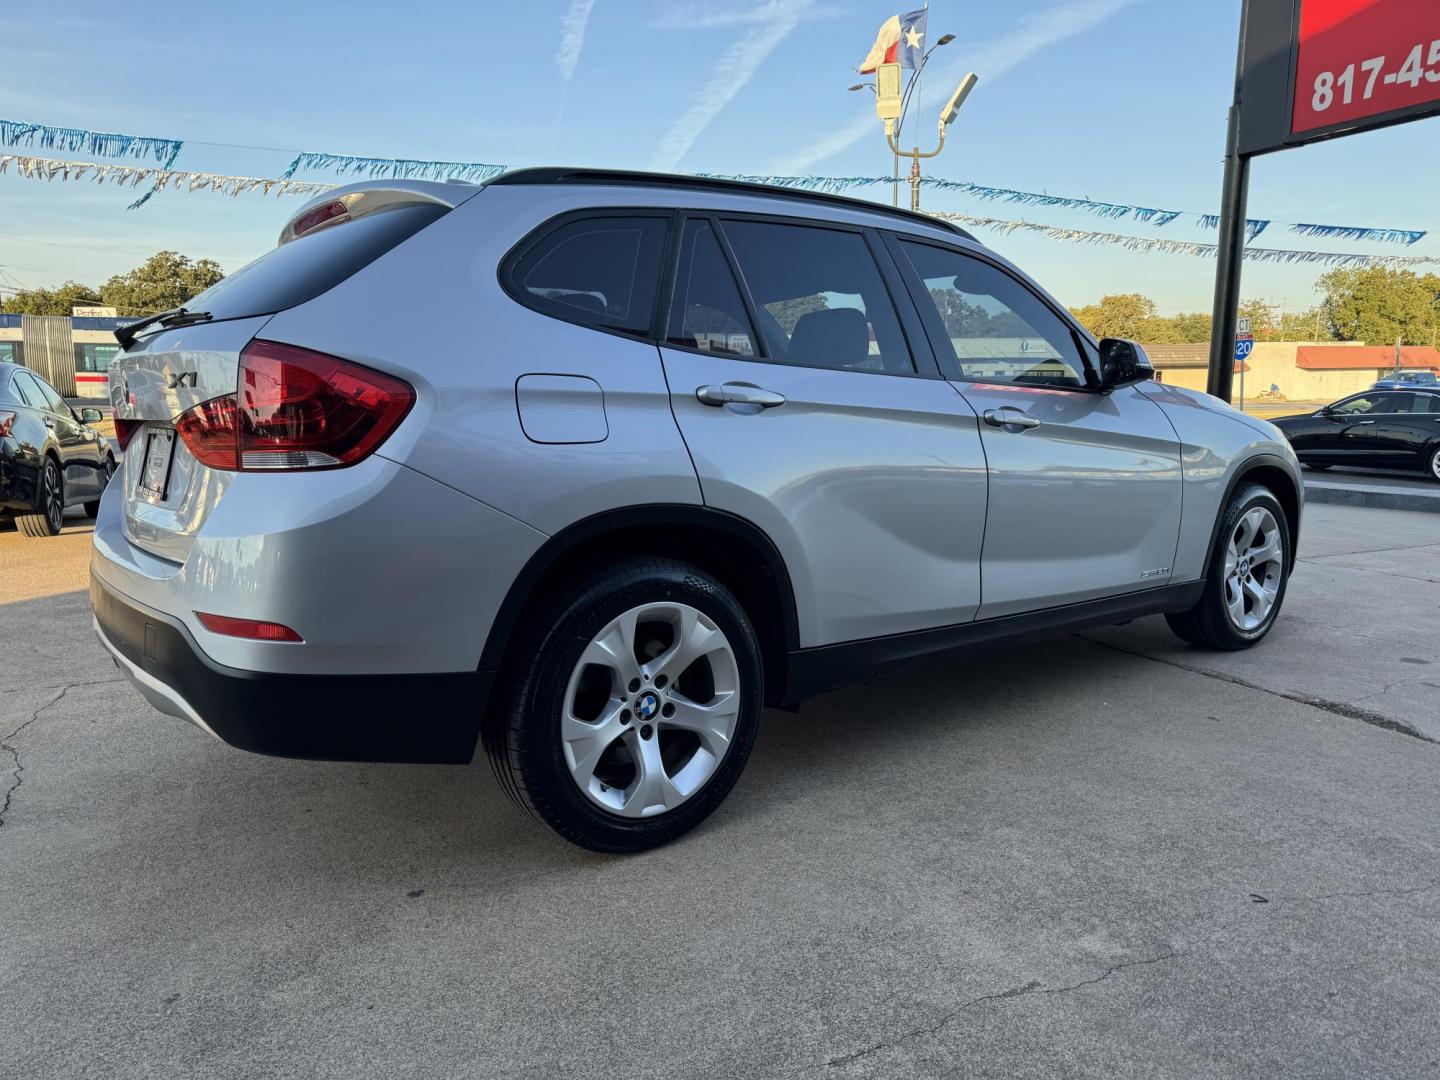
(1098,856)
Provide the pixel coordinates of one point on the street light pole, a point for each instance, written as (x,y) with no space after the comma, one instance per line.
(894,117)
(947,116)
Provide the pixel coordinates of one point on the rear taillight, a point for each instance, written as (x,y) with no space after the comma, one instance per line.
(209,431)
(255,629)
(7,423)
(125,430)
(295,409)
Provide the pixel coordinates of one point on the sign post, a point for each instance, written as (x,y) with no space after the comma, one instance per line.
(1244,344)
(1310,70)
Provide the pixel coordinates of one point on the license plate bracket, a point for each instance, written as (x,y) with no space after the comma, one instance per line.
(154,482)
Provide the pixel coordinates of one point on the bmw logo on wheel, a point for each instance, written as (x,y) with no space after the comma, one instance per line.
(647,705)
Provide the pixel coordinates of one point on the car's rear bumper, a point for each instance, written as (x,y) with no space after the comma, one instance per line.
(411,718)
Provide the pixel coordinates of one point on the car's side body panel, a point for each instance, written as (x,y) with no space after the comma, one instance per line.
(872,486)
(1217,446)
(466,429)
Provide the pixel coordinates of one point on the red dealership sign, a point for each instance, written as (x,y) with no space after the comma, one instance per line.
(1315,69)
(1357,59)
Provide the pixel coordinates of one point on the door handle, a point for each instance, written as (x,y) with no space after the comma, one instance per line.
(1010,416)
(732,393)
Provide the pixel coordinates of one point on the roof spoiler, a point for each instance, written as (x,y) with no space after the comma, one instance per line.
(350,201)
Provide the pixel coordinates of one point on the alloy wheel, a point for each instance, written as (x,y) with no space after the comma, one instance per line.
(1435,463)
(53,494)
(650,709)
(1254,568)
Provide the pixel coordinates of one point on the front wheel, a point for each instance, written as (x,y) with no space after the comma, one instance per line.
(1434,463)
(634,703)
(1249,569)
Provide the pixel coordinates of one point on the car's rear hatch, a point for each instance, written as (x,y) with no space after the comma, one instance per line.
(165,371)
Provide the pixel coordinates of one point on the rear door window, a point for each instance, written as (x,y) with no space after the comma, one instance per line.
(302,269)
(708,312)
(819,297)
(599,271)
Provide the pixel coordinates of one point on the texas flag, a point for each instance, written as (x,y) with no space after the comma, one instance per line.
(901,41)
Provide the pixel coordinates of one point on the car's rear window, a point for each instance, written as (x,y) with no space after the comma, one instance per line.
(301,270)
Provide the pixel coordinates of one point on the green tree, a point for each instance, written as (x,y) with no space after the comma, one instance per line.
(1191,327)
(1303,326)
(1125,315)
(1376,305)
(56,301)
(165,280)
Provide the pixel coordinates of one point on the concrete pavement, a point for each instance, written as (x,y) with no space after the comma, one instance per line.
(1107,856)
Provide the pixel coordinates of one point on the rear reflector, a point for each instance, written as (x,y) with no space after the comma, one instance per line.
(294,410)
(247,628)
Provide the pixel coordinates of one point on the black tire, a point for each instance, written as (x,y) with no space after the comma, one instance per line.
(1208,625)
(522,734)
(1432,463)
(92,508)
(51,517)
(1314,465)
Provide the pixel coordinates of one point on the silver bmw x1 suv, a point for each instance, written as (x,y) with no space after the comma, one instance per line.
(588,467)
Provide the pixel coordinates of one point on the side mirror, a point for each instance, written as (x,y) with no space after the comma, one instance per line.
(1123,363)
(91,416)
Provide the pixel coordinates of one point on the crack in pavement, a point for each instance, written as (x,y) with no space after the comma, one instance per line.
(16,767)
(1411,891)
(61,686)
(1337,708)
(1033,987)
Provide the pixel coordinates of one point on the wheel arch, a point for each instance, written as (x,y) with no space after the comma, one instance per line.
(734,550)
(1271,473)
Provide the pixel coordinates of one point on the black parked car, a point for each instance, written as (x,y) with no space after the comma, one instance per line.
(49,458)
(1382,429)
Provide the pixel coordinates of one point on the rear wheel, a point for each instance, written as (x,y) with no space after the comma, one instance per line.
(1249,569)
(635,701)
(50,518)
(1434,463)
(92,509)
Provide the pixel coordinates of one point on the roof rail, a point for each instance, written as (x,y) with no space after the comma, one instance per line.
(561,175)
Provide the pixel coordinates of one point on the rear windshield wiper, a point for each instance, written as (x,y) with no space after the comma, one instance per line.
(179,316)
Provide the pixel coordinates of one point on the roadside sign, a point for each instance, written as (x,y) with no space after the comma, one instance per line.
(103,312)
(1244,343)
(1314,69)
(1242,325)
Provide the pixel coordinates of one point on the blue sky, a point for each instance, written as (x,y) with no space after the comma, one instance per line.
(1119,100)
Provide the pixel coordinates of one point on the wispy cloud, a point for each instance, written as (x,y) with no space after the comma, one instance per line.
(990,61)
(692,17)
(737,66)
(572,36)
